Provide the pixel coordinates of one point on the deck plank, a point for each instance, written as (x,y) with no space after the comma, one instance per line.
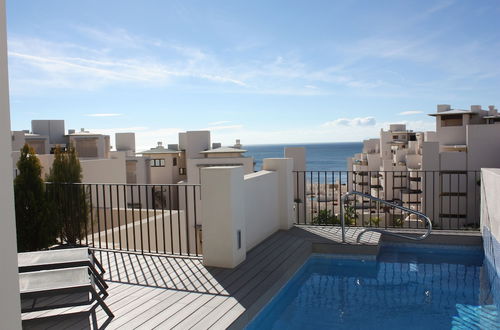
(148,291)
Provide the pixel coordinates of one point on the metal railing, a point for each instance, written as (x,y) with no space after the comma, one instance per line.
(451,199)
(378,230)
(143,218)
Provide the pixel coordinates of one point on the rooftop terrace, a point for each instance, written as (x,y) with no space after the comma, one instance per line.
(152,291)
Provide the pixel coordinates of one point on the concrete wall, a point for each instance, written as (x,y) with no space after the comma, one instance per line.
(450,135)
(125,141)
(194,166)
(483,147)
(104,171)
(10,307)
(53,129)
(238,212)
(196,141)
(490,225)
(223,216)
(261,206)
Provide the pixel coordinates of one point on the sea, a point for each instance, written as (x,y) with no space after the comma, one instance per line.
(319,156)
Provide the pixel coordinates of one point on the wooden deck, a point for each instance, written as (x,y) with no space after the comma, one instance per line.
(164,292)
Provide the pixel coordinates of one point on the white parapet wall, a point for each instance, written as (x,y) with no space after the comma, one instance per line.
(240,211)
(223,216)
(490,216)
(261,206)
(10,306)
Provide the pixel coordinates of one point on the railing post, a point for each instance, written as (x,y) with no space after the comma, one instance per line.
(223,216)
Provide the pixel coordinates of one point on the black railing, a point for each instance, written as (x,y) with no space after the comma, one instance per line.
(143,218)
(450,198)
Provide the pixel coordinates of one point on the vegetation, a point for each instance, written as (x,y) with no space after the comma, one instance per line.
(397,221)
(325,217)
(36,228)
(73,206)
(373,222)
(350,215)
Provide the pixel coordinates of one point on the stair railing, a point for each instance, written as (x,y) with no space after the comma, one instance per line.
(378,230)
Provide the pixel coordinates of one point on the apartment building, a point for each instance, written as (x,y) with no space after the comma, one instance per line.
(177,163)
(407,167)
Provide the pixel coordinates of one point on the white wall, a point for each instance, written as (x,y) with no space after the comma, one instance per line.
(483,146)
(125,141)
(10,308)
(223,216)
(194,166)
(490,216)
(104,171)
(196,141)
(261,206)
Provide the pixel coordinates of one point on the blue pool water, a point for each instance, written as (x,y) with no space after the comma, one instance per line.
(407,287)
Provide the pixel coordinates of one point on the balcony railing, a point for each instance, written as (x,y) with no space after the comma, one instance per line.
(450,198)
(158,219)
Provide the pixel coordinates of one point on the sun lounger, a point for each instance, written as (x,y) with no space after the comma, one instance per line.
(63,258)
(59,288)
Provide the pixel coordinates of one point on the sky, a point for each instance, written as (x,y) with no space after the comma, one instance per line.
(261,71)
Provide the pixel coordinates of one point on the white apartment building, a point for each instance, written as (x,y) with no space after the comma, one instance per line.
(178,163)
(432,172)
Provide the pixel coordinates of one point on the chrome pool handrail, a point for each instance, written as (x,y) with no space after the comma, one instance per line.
(378,230)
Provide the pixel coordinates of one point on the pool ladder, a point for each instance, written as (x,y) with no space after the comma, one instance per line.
(378,230)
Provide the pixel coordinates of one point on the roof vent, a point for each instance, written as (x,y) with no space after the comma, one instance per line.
(160,144)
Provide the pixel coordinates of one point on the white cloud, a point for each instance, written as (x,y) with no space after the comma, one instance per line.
(352,122)
(104,114)
(410,113)
(41,63)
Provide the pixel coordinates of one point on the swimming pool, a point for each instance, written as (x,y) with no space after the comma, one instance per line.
(407,287)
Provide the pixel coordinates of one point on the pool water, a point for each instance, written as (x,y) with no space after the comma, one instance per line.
(407,287)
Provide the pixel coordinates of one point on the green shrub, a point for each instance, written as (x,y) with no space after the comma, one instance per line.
(72,212)
(350,215)
(36,228)
(373,222)
(325,217)
(397,221)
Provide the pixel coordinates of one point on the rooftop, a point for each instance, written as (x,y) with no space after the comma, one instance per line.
(223,150)
(148,291)
(159,149)
(453,112)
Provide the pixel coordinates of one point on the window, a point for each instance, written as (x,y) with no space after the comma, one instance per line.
(182,171)
(451,120)
(157,163)
(412,137)
(394,137)
(174,161)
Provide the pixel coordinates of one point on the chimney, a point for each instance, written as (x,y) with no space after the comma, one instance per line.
(216,145)
(160,144)
(475,108)
(443,107)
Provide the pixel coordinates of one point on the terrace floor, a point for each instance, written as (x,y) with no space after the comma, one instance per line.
(151,291)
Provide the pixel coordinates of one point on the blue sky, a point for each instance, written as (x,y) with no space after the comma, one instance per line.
(262,71)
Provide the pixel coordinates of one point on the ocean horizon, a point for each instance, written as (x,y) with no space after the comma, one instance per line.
(319,156)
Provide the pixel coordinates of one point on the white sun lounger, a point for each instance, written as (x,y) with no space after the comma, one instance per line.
(63,258)
(39,288)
